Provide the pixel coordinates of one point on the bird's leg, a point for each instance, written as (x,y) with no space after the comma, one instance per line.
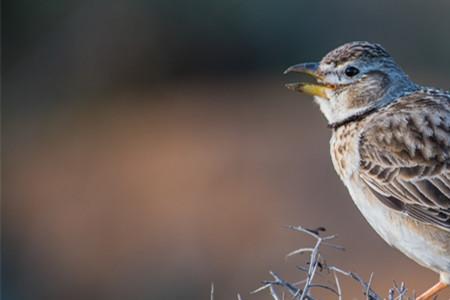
(431,292)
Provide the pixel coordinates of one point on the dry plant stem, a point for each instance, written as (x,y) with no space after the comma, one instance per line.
(371,295)
(273,293)
(401,290)
(278,281)
(316,265)
(314,259)
(338,285)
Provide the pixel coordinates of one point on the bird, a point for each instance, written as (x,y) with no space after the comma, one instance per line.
(390,146)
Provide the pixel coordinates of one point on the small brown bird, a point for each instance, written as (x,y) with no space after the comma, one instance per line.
(391,148)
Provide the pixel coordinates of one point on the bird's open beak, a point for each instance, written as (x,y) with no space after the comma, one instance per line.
(314,89)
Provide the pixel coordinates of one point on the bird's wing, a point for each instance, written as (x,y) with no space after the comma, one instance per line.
(405,157)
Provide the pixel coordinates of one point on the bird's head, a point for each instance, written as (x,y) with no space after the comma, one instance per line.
(352,79)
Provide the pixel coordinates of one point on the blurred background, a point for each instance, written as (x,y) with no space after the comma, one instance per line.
(150,148)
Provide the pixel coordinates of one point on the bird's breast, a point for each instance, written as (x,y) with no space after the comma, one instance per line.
(344,150)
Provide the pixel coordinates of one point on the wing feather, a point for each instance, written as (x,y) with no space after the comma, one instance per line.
(405,157)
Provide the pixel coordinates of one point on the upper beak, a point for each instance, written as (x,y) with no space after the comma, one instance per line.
(310,69)
(306,68)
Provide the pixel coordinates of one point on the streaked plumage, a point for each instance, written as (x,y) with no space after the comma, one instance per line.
(391,148)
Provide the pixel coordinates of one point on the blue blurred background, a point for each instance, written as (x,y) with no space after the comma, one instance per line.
(150,148)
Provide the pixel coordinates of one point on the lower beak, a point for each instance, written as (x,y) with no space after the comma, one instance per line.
(314,89)
(309,88)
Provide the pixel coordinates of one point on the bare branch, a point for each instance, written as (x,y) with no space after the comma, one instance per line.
(300,251)
(315,266)
(273,293)
(212,291)
(368,285)
(338,286)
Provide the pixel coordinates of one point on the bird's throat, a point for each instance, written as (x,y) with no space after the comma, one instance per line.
(353,118)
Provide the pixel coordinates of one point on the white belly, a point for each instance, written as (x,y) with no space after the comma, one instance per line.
(399,231)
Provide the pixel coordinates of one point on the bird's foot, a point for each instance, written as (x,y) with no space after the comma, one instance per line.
(431,292)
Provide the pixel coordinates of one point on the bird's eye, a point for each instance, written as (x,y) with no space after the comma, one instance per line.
(351,71)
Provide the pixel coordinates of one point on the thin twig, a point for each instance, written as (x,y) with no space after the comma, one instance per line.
(338,286)
(315,266)
(273,293)
(368,285)
(300,251)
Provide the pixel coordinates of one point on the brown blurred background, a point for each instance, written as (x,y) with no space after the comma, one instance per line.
(150,148)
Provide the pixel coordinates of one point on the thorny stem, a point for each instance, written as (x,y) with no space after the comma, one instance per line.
(316,262)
